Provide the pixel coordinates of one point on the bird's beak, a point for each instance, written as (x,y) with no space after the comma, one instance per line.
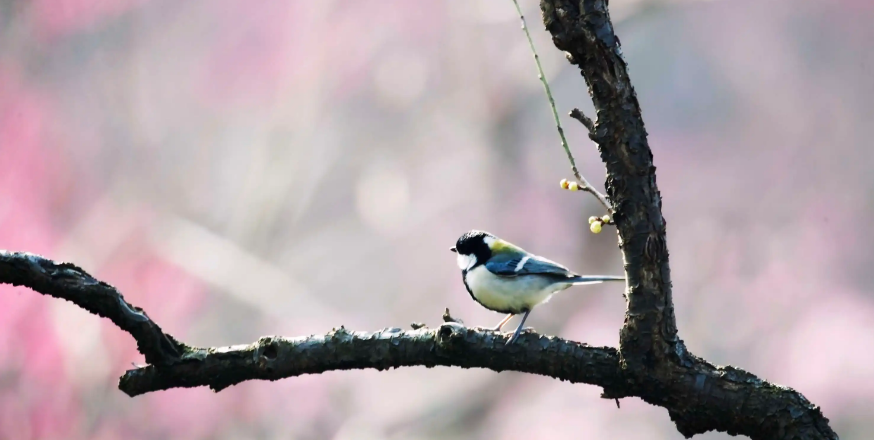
(453,249)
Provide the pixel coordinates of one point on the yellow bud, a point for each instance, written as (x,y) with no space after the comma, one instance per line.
(593,219)
(563,183)
(605,219)
(574,186)
(595,227)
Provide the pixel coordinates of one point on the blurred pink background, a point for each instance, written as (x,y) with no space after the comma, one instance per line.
(287,167)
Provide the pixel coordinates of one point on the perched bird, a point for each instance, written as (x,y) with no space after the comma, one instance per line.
(505,278)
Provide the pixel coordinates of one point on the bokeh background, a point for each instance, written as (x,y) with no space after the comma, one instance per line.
(242,169)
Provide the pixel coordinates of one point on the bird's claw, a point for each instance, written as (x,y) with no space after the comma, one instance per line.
(516,335)
(497,330)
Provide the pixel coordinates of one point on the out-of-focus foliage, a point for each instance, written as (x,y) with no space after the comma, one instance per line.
(288,167)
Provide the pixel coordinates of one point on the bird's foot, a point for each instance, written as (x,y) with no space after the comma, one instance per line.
(519,332)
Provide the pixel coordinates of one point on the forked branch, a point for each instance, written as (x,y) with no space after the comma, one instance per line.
(699,396)
(652,362)
(721,395)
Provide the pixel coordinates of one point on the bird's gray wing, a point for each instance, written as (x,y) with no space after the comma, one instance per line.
(511,266)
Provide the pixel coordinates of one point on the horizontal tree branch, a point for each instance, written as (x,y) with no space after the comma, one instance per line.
(451,344)
(702,397)
(174,364)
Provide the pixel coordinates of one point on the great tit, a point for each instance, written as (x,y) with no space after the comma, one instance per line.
(506,279)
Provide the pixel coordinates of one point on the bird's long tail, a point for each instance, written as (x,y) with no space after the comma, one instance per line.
(594,279)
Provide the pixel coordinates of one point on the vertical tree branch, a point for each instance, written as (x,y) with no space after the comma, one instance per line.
(698,395)
(583,30)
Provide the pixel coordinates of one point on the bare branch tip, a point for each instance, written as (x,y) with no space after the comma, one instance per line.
(585,120)
(448,317)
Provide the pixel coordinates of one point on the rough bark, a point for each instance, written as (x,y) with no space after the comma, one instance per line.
(651,363)
(698,396)
(69,282)
(451,344)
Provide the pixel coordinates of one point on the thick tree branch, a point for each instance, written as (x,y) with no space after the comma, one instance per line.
(69,282)
(174,364)
(451,344)
(583,30)
(651,363)
(698,396)
(702,397)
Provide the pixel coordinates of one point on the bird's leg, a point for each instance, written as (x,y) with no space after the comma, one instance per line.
(503,322)
(519,329)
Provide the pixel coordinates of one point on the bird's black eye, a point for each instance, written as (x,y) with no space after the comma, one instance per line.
(453,249)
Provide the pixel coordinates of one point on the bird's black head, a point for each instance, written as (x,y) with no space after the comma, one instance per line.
(473,249)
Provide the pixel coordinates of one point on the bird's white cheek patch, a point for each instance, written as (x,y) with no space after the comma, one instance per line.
(465,262)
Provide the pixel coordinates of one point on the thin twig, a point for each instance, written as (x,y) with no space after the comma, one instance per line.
(584,184)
